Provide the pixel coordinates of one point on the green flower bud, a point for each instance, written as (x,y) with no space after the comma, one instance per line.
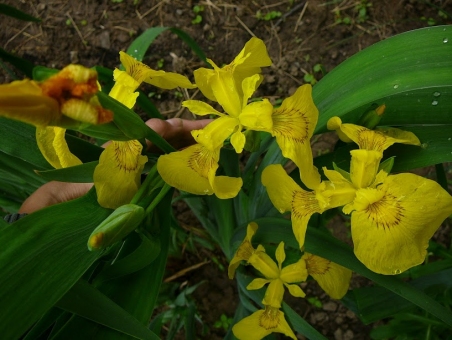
(372,117)
(115,227)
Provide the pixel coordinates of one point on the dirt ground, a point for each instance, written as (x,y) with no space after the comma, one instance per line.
(304,40)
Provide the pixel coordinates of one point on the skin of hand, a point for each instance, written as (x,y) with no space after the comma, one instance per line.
(175,130)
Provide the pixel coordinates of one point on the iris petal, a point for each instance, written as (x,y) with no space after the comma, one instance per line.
(257,116)
(199,164)
(333,278)
(244,251)
(170,80)
(293,126)
(118,174)
(262,323)
(280,187)
(23,100)
(392,224)
(52,144)
(378,140)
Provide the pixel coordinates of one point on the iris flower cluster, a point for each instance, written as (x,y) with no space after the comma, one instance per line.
(232,86)
(393,216)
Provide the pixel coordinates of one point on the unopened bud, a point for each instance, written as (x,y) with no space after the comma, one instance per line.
(115,227)
(372,117)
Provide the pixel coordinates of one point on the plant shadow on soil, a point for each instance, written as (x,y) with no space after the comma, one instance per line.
(300,36)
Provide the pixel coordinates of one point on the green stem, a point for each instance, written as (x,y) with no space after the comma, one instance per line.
(159,197)
(147,184)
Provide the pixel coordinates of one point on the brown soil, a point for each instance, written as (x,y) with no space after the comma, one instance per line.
(308,33)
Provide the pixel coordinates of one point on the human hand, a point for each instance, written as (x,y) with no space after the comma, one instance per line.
(176,131)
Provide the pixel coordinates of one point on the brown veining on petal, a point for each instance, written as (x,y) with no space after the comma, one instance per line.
(201,161)
(292,124)
(317,265)
(371,140)
(127,155)
(305,203)
(270,319)
(386,212)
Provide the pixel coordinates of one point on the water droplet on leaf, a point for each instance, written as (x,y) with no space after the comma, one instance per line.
(445,40)
(396,86)
(435,102)
(436,94)
(397,271)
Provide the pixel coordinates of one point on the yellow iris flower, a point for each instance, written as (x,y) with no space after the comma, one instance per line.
(271,319)
(334,279)
(365,164)
(232,86)
(262,323)
(393,220)
(239,114)
(117,176)
(379,139)
(247,63)
(277,277)
(66,99)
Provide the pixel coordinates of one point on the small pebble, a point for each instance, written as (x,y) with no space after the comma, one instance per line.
(350,314)
(73,56)
(104,40)
(348,335)
(330,306)
(339,320)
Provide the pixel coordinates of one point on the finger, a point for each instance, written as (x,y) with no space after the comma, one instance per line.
(175,130)
(53,193)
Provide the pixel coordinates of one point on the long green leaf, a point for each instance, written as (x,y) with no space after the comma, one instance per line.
(141,257)
(87,152)
(44,254)
(15,13)
(141,44)
(131,124)
(124,118)
(107,131)
(191,43)
(19,171)
(377,303)
(22,64)
(83,299)
(144,103)
(82,173)
(19,140)
(44,323)
(411,73)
